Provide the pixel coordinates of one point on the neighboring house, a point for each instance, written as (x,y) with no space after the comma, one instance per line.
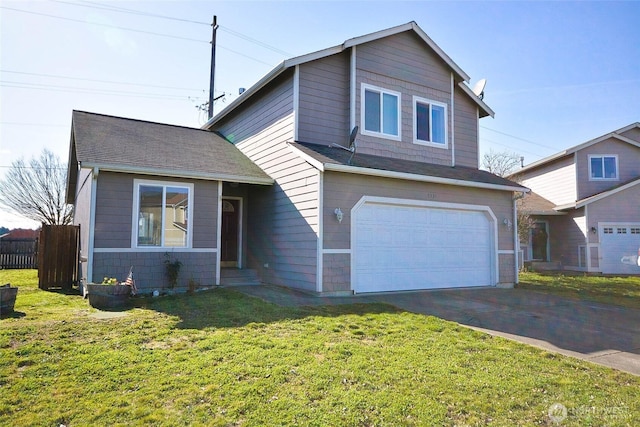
(585,205)
(269,189)
(19,249)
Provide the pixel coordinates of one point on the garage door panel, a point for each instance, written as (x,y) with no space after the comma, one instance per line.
(414,247)
(619,245)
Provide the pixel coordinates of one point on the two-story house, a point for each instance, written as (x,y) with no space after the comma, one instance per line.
(585,205)
(352,169)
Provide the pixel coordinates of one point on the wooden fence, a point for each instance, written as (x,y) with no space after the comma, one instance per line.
(18,253)
(58,256)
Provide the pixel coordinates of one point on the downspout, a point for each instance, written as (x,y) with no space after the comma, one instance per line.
(219,234)
(516,241)
(352,89)
(92,224)
(453,136)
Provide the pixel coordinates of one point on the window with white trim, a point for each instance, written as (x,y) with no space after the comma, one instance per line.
(603,167)
(162,214)
(429,122)
(380,112)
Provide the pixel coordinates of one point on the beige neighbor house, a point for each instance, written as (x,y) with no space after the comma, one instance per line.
(274,185)
(585,205)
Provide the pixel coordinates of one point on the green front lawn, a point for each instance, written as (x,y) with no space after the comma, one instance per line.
(624,291)
(222,358)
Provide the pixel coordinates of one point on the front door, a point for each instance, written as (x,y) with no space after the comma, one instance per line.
(230,237)
(539,242)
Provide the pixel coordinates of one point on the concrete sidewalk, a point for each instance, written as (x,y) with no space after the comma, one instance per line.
(604,334)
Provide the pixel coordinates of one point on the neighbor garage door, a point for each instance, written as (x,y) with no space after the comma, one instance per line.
(619,245)
(407,247)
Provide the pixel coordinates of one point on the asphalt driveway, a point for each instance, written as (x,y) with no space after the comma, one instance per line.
(605,334)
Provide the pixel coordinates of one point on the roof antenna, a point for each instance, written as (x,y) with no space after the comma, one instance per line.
(352,144)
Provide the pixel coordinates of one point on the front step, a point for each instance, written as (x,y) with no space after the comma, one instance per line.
(544,266)
(237,277)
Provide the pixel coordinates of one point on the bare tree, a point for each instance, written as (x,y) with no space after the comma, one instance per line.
(37,190)
(500,163)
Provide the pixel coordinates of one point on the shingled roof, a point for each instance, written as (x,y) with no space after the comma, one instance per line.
(136,146)
(334,158)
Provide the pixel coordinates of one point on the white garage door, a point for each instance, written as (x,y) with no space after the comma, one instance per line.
(619,245)
(400,247)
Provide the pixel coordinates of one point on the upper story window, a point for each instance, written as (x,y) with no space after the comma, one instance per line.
(430,122)
(162,214)
(380,112)
(603,167)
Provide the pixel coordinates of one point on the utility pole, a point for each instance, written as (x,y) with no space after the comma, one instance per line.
(214,25)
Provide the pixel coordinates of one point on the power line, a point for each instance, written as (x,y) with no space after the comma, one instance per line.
(57,76)
(255,41)
(71,89)
(105,25)
(134,30)
(119,9)
(518,138)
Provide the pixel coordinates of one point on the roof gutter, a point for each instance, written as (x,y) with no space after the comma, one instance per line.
(179,174)
(421,178)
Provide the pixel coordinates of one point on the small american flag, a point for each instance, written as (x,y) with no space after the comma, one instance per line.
(130,281)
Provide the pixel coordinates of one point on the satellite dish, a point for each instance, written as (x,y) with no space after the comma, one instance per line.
(352,136)
(352,141)
(478,88)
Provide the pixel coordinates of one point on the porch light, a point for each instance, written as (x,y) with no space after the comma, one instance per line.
(339,215)
(507,222)
(593,230)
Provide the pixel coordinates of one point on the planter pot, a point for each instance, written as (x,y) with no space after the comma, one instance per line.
(7,299)
(108,296)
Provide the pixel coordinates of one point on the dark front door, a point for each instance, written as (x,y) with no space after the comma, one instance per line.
(539,241)
(230,233)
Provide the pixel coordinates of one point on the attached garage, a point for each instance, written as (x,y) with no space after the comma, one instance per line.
(400,245)
(619,244)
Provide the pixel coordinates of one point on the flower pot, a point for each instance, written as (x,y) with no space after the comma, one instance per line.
(7,299)
(108,296)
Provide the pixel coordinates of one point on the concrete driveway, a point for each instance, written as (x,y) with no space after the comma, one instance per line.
(604,334)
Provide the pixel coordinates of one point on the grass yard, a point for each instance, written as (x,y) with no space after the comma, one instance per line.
(623,291)
(220,358)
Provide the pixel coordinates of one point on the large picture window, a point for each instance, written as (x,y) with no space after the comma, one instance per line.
(162,214)
(380,112)
(430,122)
(603,167)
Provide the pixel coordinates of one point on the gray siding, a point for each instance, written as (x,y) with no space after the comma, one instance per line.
(345,190)
(323,114)
(82,213)
(633,134)
(283,220)
(466,131)
(149,270)
(627,208)
(403,63)
(555,181)
(566,235)
(114,205)
(114,201)
(628,165)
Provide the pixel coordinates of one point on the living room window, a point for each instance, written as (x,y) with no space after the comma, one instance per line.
(162,214)
(429,122)
(380,112)
(603,167)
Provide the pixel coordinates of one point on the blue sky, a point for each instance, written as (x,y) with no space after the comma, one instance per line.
(559,73)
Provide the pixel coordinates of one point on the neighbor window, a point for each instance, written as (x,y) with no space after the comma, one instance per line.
(380,112)
(429,122)
(161,214)
(603,167)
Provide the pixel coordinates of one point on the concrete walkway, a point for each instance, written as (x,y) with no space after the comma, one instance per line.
(604,334)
